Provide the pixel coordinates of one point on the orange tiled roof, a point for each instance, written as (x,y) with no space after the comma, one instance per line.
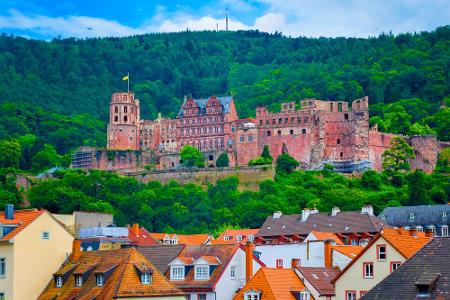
(320,235)
(348,250)
(404,242)
(233,233)
(22,218)
(124,280)
(144,237)
(185,260)
(183,239)
(273,284)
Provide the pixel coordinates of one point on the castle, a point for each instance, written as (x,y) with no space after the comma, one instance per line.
(315,133)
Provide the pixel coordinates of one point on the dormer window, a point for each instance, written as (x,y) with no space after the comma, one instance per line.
(239,238)
(99,279)
(251,295)
(146,278)
(177,273)
(58,281)
(226,238)
(166,240)
(412,216)
(201,272)
(444,215)
(78,280)
(251,237)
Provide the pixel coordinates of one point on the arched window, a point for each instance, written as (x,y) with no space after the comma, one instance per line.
(116,109)
(303,131)
(116,119)
(125,119)
(125,109)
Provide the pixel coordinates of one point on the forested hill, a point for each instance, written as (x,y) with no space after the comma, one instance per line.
(54,96)
(71,76)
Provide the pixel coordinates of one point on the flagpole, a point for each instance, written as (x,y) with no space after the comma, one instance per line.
(128,77)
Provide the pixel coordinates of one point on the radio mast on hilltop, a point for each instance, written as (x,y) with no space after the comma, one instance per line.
(226,19)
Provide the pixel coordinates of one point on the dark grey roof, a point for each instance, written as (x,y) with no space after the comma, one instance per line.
(343,222)
(224,101)
(423,215)
(161,255)
(430,265)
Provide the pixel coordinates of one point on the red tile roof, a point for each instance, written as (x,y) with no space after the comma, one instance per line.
(322,236)
(320,278)
(22,218)
(144,237)
(349,250)
(124,280)
(273,284)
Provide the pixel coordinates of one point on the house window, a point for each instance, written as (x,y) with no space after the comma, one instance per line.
(354,242)
(58,281)
(99,279)
(251,296)
(45,235)
(177,273)
(381,252)
(146,278)
(78,280)
(201,272)
(279,263)
(233,272)
(350,295)
(2,296)
(363,242)
(368,270)
(201,297)
(241,138)
(304,296)
(395,265)
(2,266)
(419,228)
(250,138)
(444,230)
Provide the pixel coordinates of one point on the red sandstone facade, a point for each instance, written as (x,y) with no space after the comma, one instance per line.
(317,133)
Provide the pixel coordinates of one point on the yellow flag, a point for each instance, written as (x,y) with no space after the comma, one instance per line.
(125,77)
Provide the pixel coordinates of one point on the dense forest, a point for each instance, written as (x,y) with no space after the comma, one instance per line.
(54,95)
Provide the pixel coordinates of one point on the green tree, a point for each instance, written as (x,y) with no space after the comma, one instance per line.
(266,153)
(286,164)
(418,188)
(396,158)
(397,120)
(191,157)
(44,159)
(222,160)
(10,154)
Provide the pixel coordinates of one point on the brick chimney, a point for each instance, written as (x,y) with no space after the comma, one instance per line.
(135,229)
(248,261)
(327,253)
(76,250)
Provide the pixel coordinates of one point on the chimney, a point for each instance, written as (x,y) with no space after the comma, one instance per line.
(327,253)
(367,210)
(135,229)
(334,211)
(307,212)
(248,261)
(76,250)
(9,211)
(277,215)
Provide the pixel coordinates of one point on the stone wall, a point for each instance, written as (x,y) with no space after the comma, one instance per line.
(249,177)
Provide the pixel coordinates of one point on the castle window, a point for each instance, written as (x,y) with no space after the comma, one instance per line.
(125,109)
(250,138)
(292,119)
(241,138)
(267,122)
(291,132)
(268,132)
(346,116)
(273,121)
(331,106)
(260,122)
(116,109)
(286,120)
(338,141)
(280,120)
(358,104)
(306,120)
(279,132)
(303,131)
(116,119)
(299,120)
(125,119)
(339,106)
(341,154)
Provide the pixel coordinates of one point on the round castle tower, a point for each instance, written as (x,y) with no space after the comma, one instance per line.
(123,128)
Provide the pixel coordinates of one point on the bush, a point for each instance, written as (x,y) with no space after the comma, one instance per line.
(286,164)
(223,160)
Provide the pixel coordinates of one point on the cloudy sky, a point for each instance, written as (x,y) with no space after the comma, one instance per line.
(45,19)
